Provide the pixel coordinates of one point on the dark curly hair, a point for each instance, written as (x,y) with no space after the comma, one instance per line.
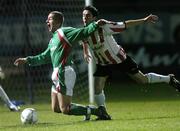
(92,9)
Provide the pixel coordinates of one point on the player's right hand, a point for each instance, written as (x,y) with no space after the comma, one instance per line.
(20,61)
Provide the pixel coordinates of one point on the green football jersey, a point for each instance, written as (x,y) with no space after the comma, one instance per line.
(60,45)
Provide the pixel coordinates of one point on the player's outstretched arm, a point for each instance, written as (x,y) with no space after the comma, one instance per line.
(20,61)
(102,22)
(150,19)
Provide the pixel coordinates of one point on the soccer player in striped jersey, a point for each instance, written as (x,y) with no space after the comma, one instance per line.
(110,56)
(5,97)
(57,53)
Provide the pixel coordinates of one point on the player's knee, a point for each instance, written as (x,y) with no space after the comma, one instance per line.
(142,82)
(65,109)
(98,89)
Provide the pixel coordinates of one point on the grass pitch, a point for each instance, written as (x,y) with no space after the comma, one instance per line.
(132,107)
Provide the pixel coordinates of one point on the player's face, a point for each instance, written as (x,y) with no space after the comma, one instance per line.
(52,24)
(87,17)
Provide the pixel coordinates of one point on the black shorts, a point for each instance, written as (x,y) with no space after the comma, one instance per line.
(127,66)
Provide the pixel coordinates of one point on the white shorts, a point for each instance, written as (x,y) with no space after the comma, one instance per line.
(69,80)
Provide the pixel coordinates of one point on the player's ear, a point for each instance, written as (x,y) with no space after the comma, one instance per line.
(58,24)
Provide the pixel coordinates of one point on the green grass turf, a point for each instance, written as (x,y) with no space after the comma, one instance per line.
(132,107)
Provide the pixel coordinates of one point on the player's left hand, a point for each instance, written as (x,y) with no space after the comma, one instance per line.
(102,22)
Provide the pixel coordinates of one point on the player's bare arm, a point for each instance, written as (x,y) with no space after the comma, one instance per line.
(20,61)
(149,19)
(87,57)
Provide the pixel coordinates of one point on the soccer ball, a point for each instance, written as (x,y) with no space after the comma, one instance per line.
(29,116)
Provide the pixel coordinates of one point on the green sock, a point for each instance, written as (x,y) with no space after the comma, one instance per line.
(77,109)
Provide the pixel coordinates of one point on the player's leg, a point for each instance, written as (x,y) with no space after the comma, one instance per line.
(100,80)
(54,100)
(6,99)
(69,108)
(99,93)
(65,97)
(156,78)
(149,78)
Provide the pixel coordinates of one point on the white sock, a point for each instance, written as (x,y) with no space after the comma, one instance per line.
(156,78)
(100,99)
(4,96)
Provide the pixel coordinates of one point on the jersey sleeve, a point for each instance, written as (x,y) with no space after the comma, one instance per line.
(43,58)
(114,28)
(77,34)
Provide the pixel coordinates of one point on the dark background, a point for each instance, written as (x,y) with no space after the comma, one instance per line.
(23,31)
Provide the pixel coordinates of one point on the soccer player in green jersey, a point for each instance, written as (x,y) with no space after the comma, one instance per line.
(57,53)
